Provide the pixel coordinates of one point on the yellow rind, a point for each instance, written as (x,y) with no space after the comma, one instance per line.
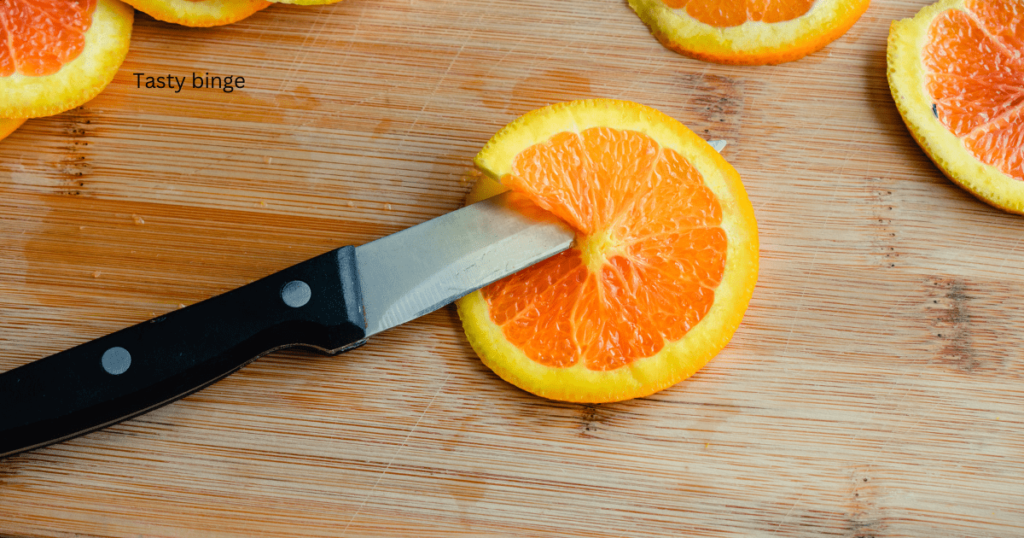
(199,14)
(907,81)
(483,189)
(9,125)
(677,360)
(751,43)
(78,81)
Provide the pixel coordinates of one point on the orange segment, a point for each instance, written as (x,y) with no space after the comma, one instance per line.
(979,99)
(634,306)
(40,36)
(199,13)
(561,178)
(956,71)
(616,180)
(1004,19)
(58,54)
(772,11)
(7,65)
(1000,143)
(717,14)
(534,307)
(675,198)
(727,14)
(750,32)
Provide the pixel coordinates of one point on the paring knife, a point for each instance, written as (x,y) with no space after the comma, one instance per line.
(331,303)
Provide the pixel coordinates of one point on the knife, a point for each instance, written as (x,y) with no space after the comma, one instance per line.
(331,303)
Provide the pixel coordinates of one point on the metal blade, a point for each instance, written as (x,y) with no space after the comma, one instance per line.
(420,269)
(718,145)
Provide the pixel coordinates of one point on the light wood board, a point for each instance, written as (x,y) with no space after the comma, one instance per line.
(874,388)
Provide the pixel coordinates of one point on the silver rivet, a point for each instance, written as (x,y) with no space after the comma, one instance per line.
(116,360)
(296,293)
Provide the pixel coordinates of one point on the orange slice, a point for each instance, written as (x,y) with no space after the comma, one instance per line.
(199,13)
(748,32)
(956,71)
(58,54)
(9,125)
(663,268)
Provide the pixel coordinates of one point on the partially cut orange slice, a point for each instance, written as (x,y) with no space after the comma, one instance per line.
(58,54)
(663,268)
(199,13)
(750,32)
(956,71)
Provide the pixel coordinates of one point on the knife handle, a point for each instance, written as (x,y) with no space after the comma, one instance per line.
(316,303)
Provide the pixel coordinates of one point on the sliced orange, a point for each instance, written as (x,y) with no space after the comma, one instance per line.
(58,54)
(199,13)
(663,267)
(956,71)
(9,125)
(748,32)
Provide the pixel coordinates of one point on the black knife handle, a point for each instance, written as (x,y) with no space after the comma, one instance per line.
(316,304)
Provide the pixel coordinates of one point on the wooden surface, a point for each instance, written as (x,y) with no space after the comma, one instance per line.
(874,388)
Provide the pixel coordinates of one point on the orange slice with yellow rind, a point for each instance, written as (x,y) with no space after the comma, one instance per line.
(748,32)
(9,125)
(664,264)
(956,71)
(199,13)
(56,55)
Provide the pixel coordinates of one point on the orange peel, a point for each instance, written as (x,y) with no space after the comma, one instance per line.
(9,125)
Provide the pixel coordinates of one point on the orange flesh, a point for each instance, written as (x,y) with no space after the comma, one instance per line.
(726,13)
(975,65)
(649,251)
(37,37)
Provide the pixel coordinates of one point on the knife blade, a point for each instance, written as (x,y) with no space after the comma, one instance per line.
(446,262)
(331,303)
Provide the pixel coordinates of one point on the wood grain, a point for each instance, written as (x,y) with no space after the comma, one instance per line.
(873,390)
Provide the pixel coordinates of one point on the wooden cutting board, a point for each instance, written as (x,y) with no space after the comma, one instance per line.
(873,389)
